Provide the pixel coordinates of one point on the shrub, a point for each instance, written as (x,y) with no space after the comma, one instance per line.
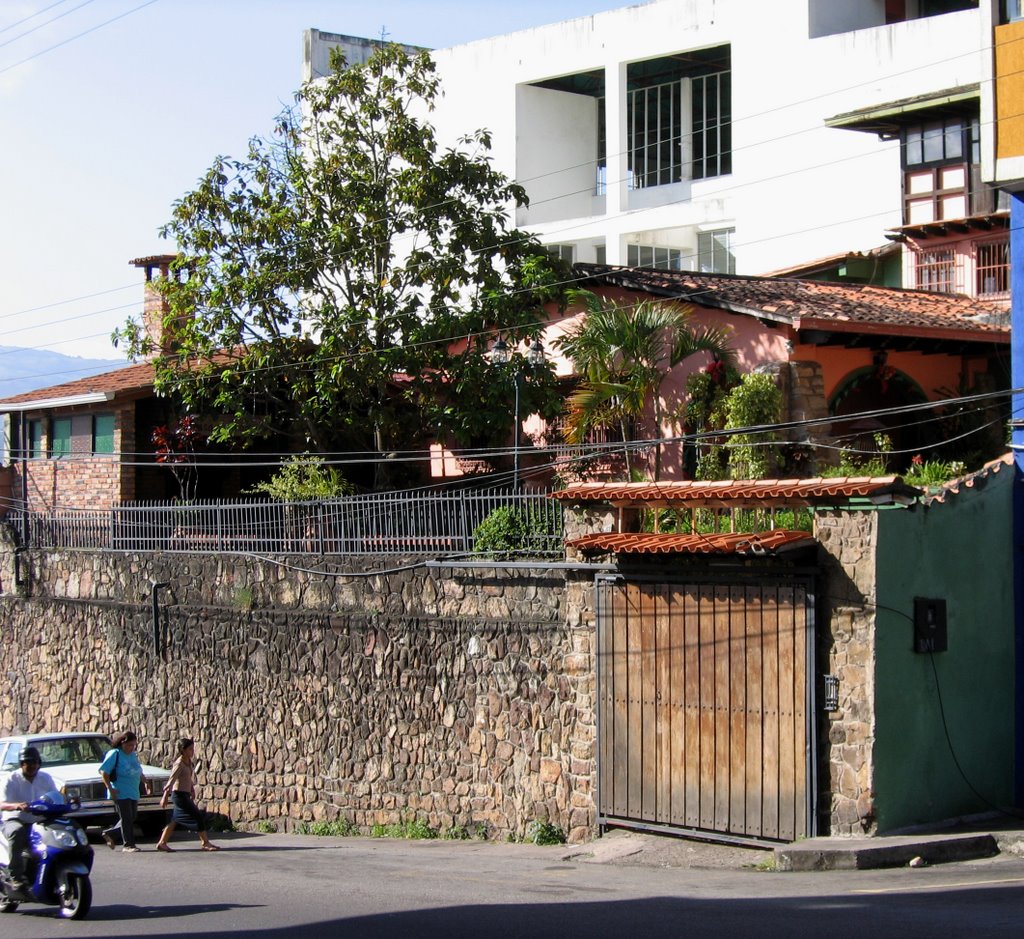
(756,400)
(544,833)
(303,478)
(509,532)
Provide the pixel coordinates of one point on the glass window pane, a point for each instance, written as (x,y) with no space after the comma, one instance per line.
(35,439)
(61,442)
(103,433)
(914,151)
(954,140)
(933,138)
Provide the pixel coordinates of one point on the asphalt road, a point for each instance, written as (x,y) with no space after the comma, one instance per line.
(303,887)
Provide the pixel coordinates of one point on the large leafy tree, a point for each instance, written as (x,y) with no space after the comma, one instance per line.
(623,351)
(341,284)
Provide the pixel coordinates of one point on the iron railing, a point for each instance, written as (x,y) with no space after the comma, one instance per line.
(412,522)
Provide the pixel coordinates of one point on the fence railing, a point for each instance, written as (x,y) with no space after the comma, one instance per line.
(414,522)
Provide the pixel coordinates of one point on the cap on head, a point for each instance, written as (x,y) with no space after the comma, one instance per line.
(30,755)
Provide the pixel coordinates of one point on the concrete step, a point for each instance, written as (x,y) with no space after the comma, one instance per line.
(848,854)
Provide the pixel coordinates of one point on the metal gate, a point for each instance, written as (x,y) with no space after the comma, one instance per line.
(704,700)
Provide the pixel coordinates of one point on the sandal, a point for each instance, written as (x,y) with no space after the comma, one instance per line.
(165,847)
(211,847)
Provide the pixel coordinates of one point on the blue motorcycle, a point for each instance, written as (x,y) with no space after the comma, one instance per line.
(58,863)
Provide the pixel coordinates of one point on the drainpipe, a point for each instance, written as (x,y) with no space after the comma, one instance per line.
(157,586)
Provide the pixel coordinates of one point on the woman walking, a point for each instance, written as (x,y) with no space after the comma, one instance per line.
(181,791)
(122,774)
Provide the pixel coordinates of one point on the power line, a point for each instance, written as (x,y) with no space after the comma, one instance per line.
(41,25)
(85,32)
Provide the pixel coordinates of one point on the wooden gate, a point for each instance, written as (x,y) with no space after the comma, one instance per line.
(703,692)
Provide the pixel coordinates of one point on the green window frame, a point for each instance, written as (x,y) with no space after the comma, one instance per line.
(103,433)
(60,437)
(34,440)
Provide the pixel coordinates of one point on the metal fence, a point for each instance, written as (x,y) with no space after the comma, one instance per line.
(414,522)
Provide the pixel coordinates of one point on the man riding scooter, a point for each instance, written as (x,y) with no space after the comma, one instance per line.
(26,784)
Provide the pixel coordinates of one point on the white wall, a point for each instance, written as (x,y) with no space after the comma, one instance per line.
(798,191)
(556,153)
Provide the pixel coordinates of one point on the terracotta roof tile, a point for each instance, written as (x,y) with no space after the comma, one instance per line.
(807,303)
(813,491)
(955,486)
(768,542)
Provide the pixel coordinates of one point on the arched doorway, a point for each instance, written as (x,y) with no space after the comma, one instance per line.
(874,388)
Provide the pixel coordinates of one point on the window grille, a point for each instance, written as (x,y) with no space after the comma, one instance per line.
(655,133)
(936,270)
(992,268)
(712,125)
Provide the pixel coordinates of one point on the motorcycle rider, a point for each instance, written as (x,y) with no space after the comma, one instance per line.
(24,785)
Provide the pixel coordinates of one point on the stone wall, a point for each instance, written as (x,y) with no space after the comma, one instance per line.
(846,649)
(460,697)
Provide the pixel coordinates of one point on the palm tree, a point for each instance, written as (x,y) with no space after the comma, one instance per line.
(623,352)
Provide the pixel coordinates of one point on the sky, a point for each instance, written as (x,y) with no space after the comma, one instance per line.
(112,109)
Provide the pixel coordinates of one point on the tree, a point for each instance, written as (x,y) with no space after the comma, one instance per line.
(340,284)
(623,352)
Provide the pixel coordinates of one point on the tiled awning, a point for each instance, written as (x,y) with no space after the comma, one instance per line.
(762,543)
(757,493)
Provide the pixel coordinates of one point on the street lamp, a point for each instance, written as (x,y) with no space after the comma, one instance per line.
(502,355)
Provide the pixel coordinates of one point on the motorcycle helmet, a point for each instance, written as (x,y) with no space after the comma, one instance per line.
(30,754)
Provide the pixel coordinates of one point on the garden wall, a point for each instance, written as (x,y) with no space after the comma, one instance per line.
(458,697)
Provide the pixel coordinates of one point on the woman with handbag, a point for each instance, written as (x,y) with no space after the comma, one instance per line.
(181,791)
(122,774)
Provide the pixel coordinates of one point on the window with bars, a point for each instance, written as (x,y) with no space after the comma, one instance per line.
(665,259)
(714,251)
(712,124)
(655,135)
(992,268)
(935,270)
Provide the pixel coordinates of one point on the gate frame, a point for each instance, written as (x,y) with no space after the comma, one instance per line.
(808,576)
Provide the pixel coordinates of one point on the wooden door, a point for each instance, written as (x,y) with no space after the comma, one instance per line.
(703,714)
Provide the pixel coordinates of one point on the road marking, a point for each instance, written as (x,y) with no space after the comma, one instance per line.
(953,886)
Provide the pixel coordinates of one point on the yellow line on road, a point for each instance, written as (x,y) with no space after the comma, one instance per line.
(953,886)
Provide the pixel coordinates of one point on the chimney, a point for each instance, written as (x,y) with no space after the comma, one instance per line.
(155,308)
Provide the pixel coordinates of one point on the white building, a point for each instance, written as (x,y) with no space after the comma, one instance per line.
(720,134)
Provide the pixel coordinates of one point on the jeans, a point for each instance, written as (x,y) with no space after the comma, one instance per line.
(16,832)
(127,809)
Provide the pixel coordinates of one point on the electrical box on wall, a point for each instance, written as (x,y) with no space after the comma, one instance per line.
(929,625)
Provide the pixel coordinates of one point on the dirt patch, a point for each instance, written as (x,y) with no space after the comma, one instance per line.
(642,849)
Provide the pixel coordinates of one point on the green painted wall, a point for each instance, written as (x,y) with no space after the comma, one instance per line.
(958,550)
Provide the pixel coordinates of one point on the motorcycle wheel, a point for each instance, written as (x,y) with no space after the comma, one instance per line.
(76,901)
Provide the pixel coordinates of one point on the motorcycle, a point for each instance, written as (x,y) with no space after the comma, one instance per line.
(57,864)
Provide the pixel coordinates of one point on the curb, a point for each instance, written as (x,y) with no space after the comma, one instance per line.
(828,854)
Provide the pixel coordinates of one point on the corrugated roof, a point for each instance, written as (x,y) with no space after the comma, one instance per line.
(809,304)
(761,543)
(837,490)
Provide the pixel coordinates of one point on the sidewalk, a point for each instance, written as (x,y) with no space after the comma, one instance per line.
(966,841)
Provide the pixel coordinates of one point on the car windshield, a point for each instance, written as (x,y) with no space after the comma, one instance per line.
(71,749)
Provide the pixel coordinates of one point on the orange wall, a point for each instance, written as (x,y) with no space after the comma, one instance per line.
(1009,54)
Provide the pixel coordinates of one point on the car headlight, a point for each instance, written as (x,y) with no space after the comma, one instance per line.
(60,838)
(71,792)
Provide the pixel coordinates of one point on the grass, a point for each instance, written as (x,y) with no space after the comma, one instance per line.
(341,828)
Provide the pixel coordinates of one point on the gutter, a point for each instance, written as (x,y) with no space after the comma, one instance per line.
(89,397)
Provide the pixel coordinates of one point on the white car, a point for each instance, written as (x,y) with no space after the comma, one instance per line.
(73,760)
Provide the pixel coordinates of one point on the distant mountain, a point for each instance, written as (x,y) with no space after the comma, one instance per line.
(27,369)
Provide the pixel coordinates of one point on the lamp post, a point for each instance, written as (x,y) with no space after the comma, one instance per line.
(502,355)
